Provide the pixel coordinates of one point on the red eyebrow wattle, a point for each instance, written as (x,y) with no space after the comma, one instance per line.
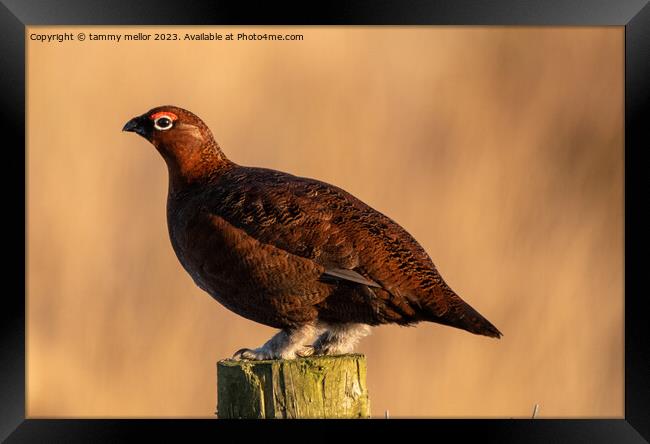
(164,113)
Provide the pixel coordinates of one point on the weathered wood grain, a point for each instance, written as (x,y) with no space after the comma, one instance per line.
(313,387)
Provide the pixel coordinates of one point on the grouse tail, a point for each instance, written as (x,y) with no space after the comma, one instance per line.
(463,316)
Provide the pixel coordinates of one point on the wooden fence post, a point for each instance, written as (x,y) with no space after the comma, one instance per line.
(313,387)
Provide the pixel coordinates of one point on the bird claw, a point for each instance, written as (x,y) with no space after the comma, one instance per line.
(327,349)
(305,352)
(261,354)
(247,354)
(322,351)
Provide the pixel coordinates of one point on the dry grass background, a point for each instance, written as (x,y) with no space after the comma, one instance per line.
(499,149)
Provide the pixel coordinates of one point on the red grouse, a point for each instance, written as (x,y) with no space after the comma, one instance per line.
(291,252)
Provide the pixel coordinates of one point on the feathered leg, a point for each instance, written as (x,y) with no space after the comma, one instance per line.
(286,344)
(339,339)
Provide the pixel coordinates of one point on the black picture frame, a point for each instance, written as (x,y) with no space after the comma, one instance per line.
(15,15)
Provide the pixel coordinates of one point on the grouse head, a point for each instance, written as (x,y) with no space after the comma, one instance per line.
(181,137)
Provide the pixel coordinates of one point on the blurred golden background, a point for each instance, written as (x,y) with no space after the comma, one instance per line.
(500,149)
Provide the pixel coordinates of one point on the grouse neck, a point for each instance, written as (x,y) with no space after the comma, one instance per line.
(193,167)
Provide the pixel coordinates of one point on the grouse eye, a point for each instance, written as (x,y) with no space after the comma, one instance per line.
(162,123)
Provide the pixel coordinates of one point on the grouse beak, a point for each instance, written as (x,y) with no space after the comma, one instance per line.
(136,125)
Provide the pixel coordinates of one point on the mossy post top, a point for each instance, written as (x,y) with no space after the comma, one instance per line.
(310,387)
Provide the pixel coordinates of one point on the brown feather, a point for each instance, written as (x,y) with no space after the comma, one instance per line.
(284,250)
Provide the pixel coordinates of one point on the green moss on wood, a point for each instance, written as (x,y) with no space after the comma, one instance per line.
(313,387)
